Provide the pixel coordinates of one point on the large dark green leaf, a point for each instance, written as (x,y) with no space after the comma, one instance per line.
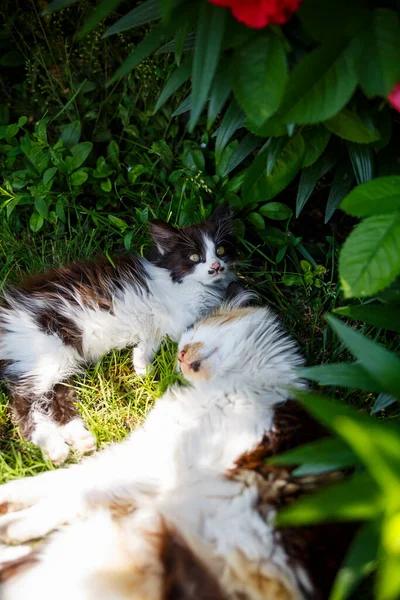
(342,375)
(259,186)
(379,68)
(349,126)
(387,317)
(370,257)
(332,20)
(260,75)
(140,15)
(178,78)
(342,183)
(221,88)
(359,561)
(233,119)
(316,139)
(362,161)
(320,84)
(379,196)
(248,144)
(382,365)
(209,34)
(80,152)
(57,5)
(309,179)
(327,451)
(355,499)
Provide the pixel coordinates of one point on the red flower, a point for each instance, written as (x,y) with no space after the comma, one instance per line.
(394,97)
(259,13)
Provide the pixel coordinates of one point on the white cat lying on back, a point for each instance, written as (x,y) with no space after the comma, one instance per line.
(161,515)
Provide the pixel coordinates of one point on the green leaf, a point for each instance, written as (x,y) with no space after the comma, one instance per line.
(22,121)
(41,207)
(320,84)
(120,223)
(106,185)
(386,317)
(78,177)
(309,179)
(36,222)
(144,13)
(316,139)
(379,68)
(380,364)
(221,88)
(71,134)
(354,499)
(57,5)
(260,76)
(370,257)
(342,183)
(80,152)
(362,161)
(291,280)
(342,375)
(248,144)
(388,585)
(179,41)
(359,561)
(383,401)
(326,20)
(276,211)
(12,130)
(209,34)
(102,10)
(258,186)
(233,119)
(256,220)
(327,451)
(349,126)
(113,152)
(151,42)
(178,78)
(48,175)
(184,106)
(379,196)
(102,170)
(60,210)
(272,127)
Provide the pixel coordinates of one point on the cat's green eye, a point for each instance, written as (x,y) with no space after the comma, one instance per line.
(220,251)
(195,257)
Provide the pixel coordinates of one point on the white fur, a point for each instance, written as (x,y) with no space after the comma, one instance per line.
(173,466)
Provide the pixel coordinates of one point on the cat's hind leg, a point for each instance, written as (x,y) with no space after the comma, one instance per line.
(70,425)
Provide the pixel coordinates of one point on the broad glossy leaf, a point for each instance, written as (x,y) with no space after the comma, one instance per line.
(48,175)
(209,34)
(370,257)
(349,126)
(233,119)
(36,222)
(362,161)
(359,561)
(260,75)
(381,364)
(177,78)
(379,68)
(41,207)
(380,315)
(320,84)
(256,220)
(71,134)
(259,186)
(309,179)
(80,152)
(78,177)
(276,211)
(342,375)
(379,196)
(327,451)
(140,15)
(273,127)
(355,499)
(342,183)
(221,88)
(325,20)
(248,144)
(316,139)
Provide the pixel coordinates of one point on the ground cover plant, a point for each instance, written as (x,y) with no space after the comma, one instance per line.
(113,113)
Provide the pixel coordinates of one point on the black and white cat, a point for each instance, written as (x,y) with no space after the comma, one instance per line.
(54,323)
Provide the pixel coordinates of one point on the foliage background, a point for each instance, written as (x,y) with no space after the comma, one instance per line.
(113,113)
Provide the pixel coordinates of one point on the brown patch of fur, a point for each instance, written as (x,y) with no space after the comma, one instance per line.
(52,322)
(16,567)
(21,409)
(62,405)
(223,316)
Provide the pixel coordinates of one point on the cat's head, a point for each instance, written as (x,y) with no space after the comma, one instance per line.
(238,345)
(203,252)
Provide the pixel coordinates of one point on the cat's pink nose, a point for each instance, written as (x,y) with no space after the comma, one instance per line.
(217,267)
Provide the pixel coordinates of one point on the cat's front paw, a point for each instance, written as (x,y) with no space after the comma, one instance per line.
(78,437)
(141,361)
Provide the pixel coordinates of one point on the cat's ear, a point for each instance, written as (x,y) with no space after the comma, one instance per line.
(164,235)
(222,214)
